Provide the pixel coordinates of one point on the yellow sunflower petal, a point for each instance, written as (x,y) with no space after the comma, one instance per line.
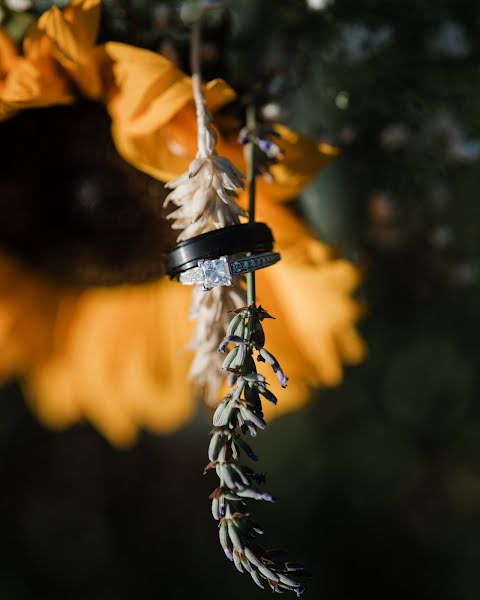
(35,84)
(28,83)
(72,34)
(8,54)
(315,328)
(84,16)
(28,305)
(151,105)
(119,363)
(149,89)
(303,159)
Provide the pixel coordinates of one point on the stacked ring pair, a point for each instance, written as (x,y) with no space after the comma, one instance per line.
(215,257)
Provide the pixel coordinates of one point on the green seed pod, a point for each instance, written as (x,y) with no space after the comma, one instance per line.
(237,362)
(241,444)
(257,335)
(218,439)
(246,565)
(248,415)
(253,558)
(241,474)
(215,509)
(249,493)
(232,496)
(234,323)
(225,540)
(268,356)
(269,574)
(238,562)
(240,421)
(253,397)
(233,534)
(240,329)
(230,358)
(287,581)
(217,415)
(257,579)
(235,452)
(221,454)
(226,476)
(253,377)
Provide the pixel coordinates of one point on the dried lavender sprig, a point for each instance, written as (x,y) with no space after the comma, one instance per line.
(240,413)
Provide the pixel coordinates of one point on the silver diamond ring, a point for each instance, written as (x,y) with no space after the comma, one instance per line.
(220,271)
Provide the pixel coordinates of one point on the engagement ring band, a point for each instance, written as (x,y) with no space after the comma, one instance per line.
(220,271)
(236,239)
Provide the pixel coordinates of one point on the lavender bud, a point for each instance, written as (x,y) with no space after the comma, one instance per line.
(218,439)
(270,149)
(257,579)
(293,566)
(217,415)
(252,557)
(215,509)
(282,378)
(225,540)
(221,506)
(237,561)
(223,345)
(241,444)
(290,582)
(268,573)
(246,565)
(234,537)
(267,394)
(234,323)
(243,136)
(235,339)
(229,358)
(254,377)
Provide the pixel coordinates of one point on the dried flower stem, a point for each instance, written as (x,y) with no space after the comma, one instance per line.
(203,115)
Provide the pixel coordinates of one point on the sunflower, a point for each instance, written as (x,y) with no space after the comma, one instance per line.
(87,322)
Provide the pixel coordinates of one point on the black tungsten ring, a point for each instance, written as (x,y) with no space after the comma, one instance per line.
(247,237)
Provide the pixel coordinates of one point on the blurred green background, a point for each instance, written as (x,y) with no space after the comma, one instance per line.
(378,480)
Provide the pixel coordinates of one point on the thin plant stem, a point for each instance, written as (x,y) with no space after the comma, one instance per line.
(251,183)
(251,175)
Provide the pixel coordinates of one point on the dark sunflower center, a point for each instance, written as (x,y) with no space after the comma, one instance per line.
(71,207)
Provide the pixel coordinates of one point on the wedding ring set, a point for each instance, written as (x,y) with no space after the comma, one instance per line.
(220,271)
(216,257)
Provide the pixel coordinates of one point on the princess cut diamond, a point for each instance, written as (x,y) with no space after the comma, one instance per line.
(215,272)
